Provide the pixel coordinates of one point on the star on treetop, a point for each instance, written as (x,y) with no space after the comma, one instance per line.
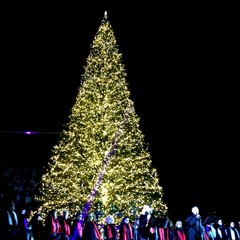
(105,14)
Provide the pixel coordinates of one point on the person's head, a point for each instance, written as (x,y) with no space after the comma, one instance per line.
(220,222)
(125,220)
(170,223)
(11,206)
(146,209)
(79,216)
(178,224)
(53,213)
(109,219)
(195,210)
(91,216)
(137,221)
(232,224)
(23,212)
(39,217)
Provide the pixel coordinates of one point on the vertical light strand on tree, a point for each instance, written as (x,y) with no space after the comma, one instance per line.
(105,163)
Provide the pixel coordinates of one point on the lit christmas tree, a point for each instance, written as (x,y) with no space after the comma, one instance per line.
(101,161)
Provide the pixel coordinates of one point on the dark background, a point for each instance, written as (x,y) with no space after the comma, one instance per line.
(181,65)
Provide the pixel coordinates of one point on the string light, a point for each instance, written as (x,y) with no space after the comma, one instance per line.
(82,171)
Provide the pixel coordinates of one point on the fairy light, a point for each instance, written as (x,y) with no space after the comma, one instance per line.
(82,170)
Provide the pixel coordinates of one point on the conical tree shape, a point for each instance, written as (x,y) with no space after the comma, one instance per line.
(101,158)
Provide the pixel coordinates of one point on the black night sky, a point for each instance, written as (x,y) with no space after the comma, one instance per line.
(181,68)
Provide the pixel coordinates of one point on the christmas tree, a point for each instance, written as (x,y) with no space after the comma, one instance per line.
(101,161)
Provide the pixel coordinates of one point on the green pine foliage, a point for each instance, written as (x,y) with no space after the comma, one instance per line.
(102,150)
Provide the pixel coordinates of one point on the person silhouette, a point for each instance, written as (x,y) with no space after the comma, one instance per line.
(195,228)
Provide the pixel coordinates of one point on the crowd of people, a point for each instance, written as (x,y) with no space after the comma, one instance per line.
(19,222)
(18,183)
(145,226)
